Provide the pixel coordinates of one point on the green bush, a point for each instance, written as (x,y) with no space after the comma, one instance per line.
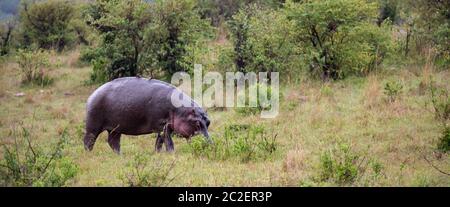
(145,172)
(34,166)
(244,142)
(33,66)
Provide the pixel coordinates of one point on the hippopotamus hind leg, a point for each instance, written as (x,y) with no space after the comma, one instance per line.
(114,141)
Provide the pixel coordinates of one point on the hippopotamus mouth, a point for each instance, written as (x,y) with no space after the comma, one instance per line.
(204,132)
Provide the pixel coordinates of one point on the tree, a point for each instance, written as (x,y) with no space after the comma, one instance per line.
(388,10)
(46,23)
(338,37)
(121,25)
(239,27)
(6,29)
(222,10)
(431,25)
(139,37)
(263,40)
(177,32)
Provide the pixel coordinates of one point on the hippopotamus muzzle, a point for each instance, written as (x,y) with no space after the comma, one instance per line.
(205,133)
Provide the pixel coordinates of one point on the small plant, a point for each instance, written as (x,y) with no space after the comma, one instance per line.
(33,66)
(326,91)
(343,166)
(339,166)
(292,105)
(35,166)
(444,141)
(145,172)
(392,90)
(440,100)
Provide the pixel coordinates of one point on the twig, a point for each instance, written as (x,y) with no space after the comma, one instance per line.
(436,168)
(30,147)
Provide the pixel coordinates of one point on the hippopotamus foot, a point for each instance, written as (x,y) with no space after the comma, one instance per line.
(159,142)
(169,145)
(168,138)
(114,141)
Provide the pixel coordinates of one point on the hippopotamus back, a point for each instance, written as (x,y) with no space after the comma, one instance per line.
(126,103)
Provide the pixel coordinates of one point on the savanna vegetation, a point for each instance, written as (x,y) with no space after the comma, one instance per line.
(364,83)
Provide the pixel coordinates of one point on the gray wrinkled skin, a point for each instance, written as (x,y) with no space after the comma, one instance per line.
(136,106)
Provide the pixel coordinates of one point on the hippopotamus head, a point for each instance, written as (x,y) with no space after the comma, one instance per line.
(190,121)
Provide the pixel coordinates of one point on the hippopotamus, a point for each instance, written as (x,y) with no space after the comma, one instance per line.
(137,106)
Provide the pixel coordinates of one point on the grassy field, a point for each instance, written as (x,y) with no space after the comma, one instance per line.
(319,123)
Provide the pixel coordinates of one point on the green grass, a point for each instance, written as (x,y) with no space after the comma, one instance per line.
(315,118)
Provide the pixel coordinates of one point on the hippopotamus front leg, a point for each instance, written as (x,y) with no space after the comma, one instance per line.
(159,142)
(168,138)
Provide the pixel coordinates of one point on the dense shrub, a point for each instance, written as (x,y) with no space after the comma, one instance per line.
(338,37)
(35,166)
